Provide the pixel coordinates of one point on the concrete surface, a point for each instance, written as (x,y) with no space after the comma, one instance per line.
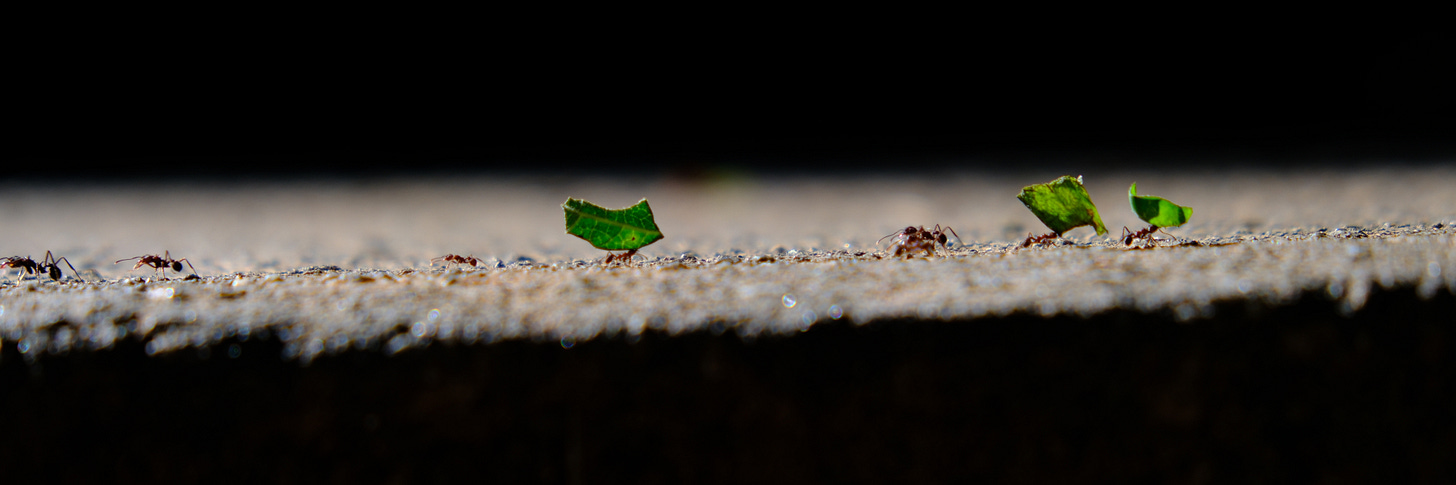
(1300,333)
(334,266)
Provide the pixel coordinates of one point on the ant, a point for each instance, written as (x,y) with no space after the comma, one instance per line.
(911,239)
(620,258)
(1034,239)
(1129,236)
(457,259)
(160,262)
(50,266)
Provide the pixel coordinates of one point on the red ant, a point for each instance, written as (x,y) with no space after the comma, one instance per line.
(51,266)
(457,259)
(620,258)
(911,239)
(1129,236)
(1034,239)
(160,262)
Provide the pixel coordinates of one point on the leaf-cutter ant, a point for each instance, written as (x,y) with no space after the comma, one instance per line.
(620,258)
(50,266)
(911,239)
(457,259)
(160,262)
(1129,236)
(1034,239)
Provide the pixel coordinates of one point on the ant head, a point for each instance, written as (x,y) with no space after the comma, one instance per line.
(177,266)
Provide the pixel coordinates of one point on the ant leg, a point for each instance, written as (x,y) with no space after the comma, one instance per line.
(1175,238)
(189,265)
(68,264)
(958,241)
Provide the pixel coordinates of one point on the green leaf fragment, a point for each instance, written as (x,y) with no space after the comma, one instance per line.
(1157,210)
(1062,204)
(611,229)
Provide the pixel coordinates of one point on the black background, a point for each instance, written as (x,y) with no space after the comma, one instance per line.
(387,99)
(1293,393)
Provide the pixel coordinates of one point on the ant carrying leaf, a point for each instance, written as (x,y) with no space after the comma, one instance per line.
(1156,211)
(626,229)
(1062,204)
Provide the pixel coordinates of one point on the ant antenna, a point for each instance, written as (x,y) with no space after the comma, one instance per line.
(896,233)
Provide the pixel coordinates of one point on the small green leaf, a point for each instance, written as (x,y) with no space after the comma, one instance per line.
(611,229)
(1062,204)
(1157,210)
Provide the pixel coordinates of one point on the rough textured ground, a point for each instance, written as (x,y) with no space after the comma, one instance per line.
(1299,331)
(333,266)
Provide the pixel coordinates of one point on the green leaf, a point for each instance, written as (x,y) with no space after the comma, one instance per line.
(611,229)
(1062,204)
(1157,210)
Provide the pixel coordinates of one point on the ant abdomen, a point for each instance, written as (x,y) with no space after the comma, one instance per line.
(177,266)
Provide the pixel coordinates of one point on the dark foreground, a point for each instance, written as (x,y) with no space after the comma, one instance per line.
(1288,394)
